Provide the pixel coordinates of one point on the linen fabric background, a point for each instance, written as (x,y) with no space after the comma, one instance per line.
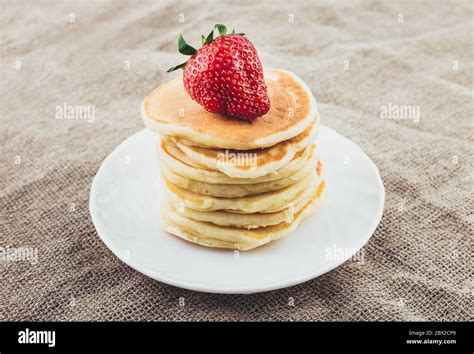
(359,58)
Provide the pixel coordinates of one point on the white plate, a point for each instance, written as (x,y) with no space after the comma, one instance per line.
(127,192)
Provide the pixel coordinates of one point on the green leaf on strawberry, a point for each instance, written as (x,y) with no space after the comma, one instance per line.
(209,38)
(180,66)
(221,28)
(185,48)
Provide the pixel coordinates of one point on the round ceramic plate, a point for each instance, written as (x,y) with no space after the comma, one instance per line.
(127,192)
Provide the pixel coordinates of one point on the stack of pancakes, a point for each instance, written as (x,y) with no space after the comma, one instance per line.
(231,183)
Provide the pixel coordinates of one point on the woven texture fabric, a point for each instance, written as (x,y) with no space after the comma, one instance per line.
(361,59)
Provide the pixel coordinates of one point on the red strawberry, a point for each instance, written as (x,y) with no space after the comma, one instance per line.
(225,75)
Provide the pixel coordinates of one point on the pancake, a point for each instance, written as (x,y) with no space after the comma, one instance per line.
(234,190)
(210,235)
(249,163)
(176,161)
(170,111)
(248,221)
(172,149)
(261,203)
(232,183)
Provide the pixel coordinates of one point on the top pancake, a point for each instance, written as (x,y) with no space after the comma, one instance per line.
(170,110)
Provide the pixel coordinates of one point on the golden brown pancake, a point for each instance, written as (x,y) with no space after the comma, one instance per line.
(232,183)
(176,161)
(249,163)
(211,235)
(170,110)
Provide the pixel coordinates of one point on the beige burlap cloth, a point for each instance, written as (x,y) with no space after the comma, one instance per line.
(395,77)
